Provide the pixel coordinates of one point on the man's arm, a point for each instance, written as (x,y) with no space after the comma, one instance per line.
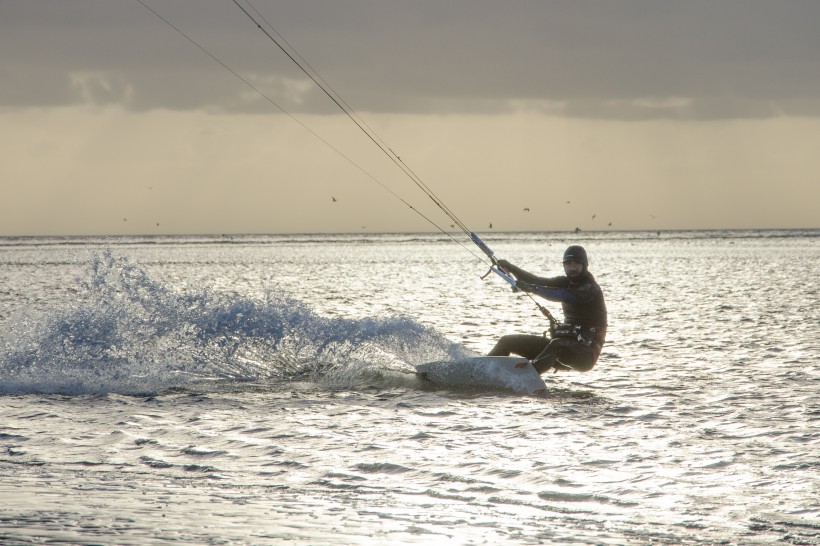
(527,277)
(564,294)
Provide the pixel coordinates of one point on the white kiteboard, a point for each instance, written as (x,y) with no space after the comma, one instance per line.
(505,372)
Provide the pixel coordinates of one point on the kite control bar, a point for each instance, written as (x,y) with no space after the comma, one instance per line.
(494,268)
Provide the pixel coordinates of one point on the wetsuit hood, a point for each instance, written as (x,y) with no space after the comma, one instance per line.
(576,253)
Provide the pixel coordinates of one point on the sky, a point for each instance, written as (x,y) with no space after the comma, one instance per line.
(517,115)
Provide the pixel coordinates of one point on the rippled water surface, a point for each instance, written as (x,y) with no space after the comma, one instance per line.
(256,390)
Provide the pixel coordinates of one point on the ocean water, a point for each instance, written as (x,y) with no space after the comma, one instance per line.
(260,390)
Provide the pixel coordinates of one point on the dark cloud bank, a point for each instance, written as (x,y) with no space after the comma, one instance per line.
(603,59)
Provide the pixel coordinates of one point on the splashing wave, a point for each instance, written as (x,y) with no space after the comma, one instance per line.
(128,333)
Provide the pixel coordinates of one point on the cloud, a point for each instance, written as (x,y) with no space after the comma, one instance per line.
(101,89)
(612,59)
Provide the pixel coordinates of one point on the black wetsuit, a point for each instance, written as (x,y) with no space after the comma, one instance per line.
(583,305)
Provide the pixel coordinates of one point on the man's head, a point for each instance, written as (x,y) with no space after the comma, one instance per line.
(575,261)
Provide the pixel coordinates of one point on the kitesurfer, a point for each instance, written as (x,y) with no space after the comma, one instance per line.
(574,344)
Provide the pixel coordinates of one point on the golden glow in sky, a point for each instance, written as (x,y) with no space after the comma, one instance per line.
(112,123)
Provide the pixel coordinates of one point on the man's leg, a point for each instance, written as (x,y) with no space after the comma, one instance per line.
(547,358)
(528,346)
(565,354)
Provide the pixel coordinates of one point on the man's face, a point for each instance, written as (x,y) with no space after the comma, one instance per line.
(573,268)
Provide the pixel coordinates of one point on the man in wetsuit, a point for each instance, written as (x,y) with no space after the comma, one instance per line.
(575,344)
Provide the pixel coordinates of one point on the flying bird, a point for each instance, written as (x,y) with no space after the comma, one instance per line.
(491,225)
(333,199)
(526,209)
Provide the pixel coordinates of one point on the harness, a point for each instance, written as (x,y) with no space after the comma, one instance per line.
(565,330)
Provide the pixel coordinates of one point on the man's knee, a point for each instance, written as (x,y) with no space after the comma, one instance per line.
(502,347)
(528,346)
